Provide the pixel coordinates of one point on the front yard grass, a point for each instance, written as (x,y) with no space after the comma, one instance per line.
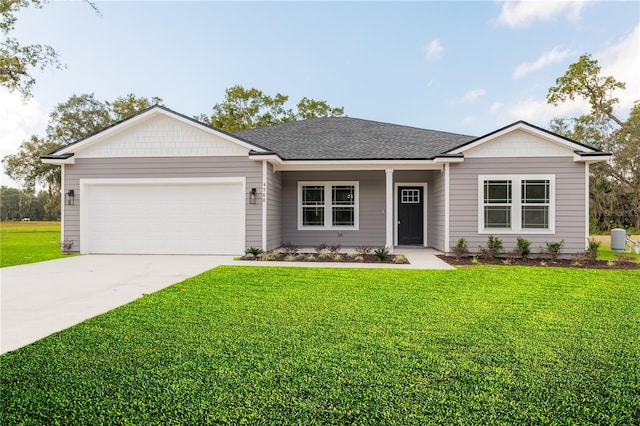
(29,242)
(243,345)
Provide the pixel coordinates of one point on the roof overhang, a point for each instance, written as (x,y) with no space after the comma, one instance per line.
(280,164)
(59,159)
(591,157)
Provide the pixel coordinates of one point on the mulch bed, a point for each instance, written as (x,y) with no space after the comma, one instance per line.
(560,263)
(343,258)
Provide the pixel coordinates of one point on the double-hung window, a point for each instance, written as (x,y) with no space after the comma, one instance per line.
(516,203)
(328,205)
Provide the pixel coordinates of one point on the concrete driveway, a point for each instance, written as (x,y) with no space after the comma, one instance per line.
(42,298)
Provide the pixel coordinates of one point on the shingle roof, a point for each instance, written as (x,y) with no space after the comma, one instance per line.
(345,138)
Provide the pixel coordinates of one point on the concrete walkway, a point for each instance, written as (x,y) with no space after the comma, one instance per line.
(40,299)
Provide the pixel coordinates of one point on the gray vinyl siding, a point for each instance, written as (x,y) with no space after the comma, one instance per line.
(371,205)
(163,167)
(435,218)
(569,200)
(274,208)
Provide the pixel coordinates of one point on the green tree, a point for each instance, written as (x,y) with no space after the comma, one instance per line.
(76,118)
(17,61)
(126,106)
(614,185)
(250,108)
(72,120)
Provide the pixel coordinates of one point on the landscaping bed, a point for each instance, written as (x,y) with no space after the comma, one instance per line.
(333,257)
(622,263)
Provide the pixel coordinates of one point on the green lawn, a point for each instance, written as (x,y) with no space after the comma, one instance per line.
(248,345)
(29,242)
(605,253)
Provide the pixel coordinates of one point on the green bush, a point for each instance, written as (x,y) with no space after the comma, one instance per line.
(494,248)
(381,253)
(254,251)
(592,250)
(523,247)
(461,249)
(554,249)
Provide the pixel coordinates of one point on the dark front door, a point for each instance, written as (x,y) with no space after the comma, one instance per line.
(410,215)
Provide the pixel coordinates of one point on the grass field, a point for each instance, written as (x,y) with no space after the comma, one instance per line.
(241,345)
(29,242)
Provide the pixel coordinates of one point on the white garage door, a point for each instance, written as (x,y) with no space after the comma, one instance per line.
(163,218)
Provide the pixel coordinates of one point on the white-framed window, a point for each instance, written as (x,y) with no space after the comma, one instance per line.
(328,205)
(516,204)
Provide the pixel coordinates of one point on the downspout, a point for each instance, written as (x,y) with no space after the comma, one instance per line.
(447,247)
(264,205)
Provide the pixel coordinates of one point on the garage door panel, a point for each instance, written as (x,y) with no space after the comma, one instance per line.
(166,218)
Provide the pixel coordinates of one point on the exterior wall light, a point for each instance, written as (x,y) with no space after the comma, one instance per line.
(69,197)
(252,196)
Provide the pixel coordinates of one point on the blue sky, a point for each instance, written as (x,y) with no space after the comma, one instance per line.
(466,67)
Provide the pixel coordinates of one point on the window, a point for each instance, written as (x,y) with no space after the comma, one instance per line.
(497,204)
(328,205)
(410,196)
(516,203)
(535,204)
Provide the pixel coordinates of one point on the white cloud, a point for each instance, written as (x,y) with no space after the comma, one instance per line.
(521,14)
(619,60)
(19,121)
(469,119)
(622,62)
(434,50)
(554,55)
(472,95)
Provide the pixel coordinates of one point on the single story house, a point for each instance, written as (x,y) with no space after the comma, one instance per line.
(163,183)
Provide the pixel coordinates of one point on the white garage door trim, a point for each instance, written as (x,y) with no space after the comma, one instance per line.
(87,184)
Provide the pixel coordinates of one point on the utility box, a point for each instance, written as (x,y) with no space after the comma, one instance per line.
(618,240)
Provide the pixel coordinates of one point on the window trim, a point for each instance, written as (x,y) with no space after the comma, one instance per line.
(517,204)
(328,206)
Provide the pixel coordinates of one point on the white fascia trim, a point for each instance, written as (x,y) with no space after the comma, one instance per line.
(280,165)
(85,184)
(425,198)
(92,140)
(516,205)
(70,160)
(591,158)
(531,130)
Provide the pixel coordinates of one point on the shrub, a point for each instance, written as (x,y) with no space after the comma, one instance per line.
(324,253)
(461,249)
(400,259)
(381,253)
(592,249)
(554,248)
(362,250)
(334,248)
(494,248)
(254,251)
(289,248)
(320,247)
(270,255)
(523,247)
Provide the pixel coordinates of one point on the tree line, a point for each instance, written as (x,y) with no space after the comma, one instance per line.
(614,185)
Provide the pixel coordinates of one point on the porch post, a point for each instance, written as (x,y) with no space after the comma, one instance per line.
(389,210)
